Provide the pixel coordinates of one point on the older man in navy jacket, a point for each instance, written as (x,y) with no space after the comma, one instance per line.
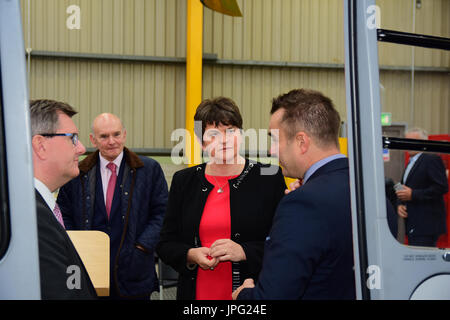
(124,195)
(308,253)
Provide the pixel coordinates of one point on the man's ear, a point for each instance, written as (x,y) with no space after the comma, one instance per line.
(124,134)
(39,146)
(303,141)
(91,137)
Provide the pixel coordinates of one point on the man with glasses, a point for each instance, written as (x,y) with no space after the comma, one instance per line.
(56,149)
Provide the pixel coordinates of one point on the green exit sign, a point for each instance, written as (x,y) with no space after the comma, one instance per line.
(386,118)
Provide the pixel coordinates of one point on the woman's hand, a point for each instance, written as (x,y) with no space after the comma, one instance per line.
(202,258)
(227,250)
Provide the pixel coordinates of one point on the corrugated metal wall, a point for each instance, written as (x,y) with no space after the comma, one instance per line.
(433,18)
(253,88)
(430,108)
(274,30)
(150,96)
(127,27)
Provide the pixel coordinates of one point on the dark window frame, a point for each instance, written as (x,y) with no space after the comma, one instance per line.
(5,226)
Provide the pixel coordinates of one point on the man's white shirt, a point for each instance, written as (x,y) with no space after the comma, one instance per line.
(409,166)
(48,196)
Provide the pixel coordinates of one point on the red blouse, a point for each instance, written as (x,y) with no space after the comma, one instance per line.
(216,224)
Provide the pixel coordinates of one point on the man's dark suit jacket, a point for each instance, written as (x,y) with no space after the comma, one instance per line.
(56,254)
(309,252)
(426,210)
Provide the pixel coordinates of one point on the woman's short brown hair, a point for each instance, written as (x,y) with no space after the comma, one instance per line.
(218,111)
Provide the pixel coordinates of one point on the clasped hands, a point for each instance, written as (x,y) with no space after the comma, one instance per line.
(221,250)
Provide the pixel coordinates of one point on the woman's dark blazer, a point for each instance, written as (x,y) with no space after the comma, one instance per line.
(254,196)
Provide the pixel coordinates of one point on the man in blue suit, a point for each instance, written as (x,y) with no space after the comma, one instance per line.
(308,253)
(422,201)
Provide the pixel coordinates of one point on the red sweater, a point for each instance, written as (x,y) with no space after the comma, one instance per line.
(216,224)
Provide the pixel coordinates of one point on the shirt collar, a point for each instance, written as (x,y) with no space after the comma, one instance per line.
(117,161)
(414,159)
(321,163)
(45,192)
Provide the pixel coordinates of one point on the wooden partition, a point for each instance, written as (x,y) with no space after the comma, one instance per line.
(93,248)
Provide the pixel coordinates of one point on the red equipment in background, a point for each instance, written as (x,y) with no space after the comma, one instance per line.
(444,240)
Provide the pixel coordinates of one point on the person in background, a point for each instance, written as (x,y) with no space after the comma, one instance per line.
(309,251)
(56,148)
(391,203)
(220,212)
(125,196)
(421,200)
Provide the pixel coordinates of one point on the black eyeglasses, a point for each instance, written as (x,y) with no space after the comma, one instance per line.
(73,136)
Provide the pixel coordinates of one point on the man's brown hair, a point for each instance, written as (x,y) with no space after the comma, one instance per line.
(44,115)
(309,111)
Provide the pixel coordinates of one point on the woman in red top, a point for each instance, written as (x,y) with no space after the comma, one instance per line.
(215,224)
(220,212)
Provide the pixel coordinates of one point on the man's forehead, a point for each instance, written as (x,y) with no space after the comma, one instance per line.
(219,126)
(108,131)
(107,126)
(275,122)
(413,135)
(66,124)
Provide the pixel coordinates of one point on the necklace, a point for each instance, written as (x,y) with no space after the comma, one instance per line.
(220,187)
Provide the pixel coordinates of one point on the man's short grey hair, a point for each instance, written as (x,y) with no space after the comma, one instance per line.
(422,132)
(44,115)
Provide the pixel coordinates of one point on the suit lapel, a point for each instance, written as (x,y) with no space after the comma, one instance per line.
(41,200)
(403,174)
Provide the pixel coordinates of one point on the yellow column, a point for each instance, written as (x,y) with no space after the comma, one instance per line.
(194,61)
(343,143)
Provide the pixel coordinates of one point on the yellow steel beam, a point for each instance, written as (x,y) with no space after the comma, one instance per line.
(194,60)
